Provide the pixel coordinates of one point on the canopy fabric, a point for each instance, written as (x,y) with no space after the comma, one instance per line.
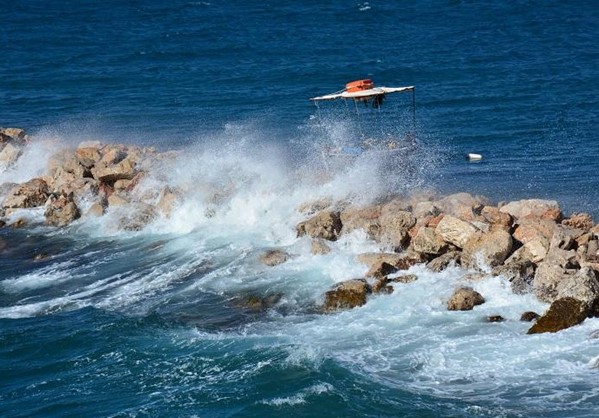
(363,93)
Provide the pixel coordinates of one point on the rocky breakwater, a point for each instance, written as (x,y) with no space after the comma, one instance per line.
(529,242)
(86,182)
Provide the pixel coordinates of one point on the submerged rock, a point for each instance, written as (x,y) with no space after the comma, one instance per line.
(257,303)
(464,299)
(404,278)
(347,295)
(529,316)
(319,247)
(274,257)
(563,313)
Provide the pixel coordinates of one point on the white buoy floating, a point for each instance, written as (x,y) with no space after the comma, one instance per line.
(474,157)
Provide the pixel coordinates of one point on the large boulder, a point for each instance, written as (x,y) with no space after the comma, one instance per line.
(325,224)
(534,251)
(534,229)
(557,266)
(27,195)
(464,299)
(456,231)
(489,249)
(427,241)
(367,218)
(563,313)
(461,205)
(61,211)
(347,295)
(496,218)
(123,170)
(582,285)
(545,209)
(519,273)
(395,224)
(88,156)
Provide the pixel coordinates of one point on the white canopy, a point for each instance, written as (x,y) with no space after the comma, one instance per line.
(376,91)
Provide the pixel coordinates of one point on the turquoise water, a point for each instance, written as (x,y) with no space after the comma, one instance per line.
(149,324)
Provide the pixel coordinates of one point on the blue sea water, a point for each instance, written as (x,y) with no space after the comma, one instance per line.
(147,325)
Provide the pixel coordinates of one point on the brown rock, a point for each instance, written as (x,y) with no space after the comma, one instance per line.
(257,303)
(545,209)
(367,218)
(274,257)
(61,211)
(405,278)
(490,249)
(443,261)
(124,170)
(13,133)
(563,313)
(95,210)
(582,286)
(529,316)
(579,221)
(428,242)
(375,259)
(121,185)
(530,229)
(464,299)
(494,216)
(319,247)
(347,295)
(382,286)
(519,273)
(27,195)
(557,266)
(88,156)
(381,270)
(425,209)
(112,154)
(495,318)
(394,226)
(456,231)
(326,225)
(463,206)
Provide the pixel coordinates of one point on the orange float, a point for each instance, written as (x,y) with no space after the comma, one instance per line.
(359,85)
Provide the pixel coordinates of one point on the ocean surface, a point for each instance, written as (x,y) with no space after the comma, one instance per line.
(153,324)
